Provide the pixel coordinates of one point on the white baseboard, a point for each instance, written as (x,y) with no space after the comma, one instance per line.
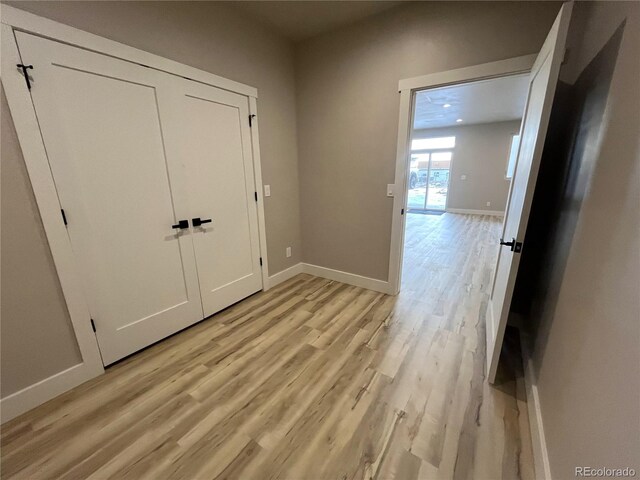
(331,274)
(43,391)
(348,278)
(283,276)
(494,213)
(30,397)
(536,426)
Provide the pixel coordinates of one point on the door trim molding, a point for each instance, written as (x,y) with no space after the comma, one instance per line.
(257,173)
(37,164)
(33,150)
(407,89)
(483,71)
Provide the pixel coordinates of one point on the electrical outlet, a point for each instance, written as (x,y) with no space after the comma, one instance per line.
(267,190)
(488,204)
(463,177)
(288,252)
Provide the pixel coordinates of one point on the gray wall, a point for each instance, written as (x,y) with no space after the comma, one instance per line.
(348,103)
(585,307)
(481,154)
(36,337)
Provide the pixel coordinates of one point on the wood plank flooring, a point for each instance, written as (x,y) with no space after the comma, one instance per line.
(313,379)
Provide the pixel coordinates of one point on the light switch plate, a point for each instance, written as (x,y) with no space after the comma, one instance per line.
(288,252)
(267,190)
(390,188)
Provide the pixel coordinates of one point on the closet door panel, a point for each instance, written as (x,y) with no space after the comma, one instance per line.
(102,126)
(221,188)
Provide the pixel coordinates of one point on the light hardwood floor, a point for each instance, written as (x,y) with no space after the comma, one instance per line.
(311,380)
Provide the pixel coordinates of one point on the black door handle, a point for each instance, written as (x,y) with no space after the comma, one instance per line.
(515,246)
(182,224)
(196,222)
(507,244)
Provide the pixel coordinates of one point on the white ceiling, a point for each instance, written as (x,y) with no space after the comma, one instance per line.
(487,101)
(298,20)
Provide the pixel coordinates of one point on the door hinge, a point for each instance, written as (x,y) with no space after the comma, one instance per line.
(256,195)
(402,212)
(26,74)
(93,325)
(64,217)
(251,117)
(260,261)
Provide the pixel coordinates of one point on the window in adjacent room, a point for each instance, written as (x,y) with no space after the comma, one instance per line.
(434,143)
(429,173)
(513,154)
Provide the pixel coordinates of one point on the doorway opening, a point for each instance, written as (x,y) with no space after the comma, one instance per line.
(461,154)
(526,84)
(463,142)
(434,156)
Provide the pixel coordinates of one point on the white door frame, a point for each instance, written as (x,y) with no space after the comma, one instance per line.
(407,88)
(33,150)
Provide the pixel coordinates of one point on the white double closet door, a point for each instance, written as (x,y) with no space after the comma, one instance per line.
(133,151)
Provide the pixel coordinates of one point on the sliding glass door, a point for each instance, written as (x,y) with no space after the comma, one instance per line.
(438,183)
(429,173)
(418,176)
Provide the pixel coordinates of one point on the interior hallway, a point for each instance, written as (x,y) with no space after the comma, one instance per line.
(312,379)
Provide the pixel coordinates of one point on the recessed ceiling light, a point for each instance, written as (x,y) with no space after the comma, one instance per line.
(446,105)
(459,120)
